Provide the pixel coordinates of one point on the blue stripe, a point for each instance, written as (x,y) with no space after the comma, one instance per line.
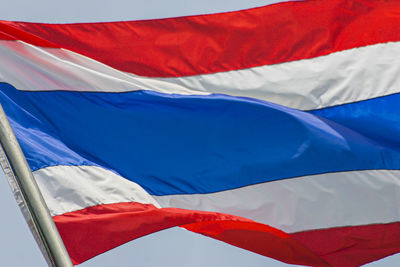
(172,144)
(377,119)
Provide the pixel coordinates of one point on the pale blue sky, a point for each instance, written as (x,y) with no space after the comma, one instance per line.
(174,247)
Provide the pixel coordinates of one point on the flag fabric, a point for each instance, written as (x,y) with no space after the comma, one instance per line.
(274,129)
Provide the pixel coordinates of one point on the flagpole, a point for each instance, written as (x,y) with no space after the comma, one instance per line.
(35,203)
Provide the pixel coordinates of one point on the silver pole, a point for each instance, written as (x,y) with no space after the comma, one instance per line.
(34,199)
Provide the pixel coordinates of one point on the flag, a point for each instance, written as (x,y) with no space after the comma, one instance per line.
(274,129)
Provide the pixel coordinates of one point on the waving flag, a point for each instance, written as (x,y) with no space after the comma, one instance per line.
(274,129)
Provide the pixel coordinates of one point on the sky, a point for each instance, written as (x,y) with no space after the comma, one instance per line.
(174,247)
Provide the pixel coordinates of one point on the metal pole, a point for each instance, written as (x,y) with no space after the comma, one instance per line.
(34,199)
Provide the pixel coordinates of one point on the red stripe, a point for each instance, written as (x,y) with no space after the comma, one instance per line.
(258,238)
(8,31)
(92,231)
(342,246)
(222,42)
(354,245)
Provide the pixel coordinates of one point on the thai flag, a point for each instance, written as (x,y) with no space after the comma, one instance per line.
(274,129)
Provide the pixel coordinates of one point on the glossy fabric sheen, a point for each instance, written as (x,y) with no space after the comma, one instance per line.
(172,144)
(92,230)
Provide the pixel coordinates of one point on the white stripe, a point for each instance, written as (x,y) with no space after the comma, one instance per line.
(33,68)
(342,77)
(71,188)
(309,202)
(292,205)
